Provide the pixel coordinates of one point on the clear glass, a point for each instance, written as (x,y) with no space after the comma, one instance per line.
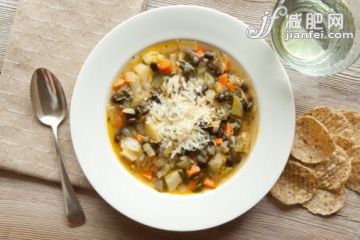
(318,45)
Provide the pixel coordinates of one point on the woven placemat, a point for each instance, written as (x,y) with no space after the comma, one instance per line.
(58,35)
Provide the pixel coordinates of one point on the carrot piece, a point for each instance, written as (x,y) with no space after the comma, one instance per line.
(198,49)
(148,175)
(223,79)
(191,185)
(218,141)
(194,169)
(119,83)
(230,86)
(209,182)
(199,52)
(165,66)
(229,130)
(120,122)
(139,137)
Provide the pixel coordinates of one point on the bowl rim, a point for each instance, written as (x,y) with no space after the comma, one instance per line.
(75,134)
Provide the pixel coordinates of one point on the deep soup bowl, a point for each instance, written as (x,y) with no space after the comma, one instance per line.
(126,193)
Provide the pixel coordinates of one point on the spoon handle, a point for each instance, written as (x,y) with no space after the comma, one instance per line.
(73,211)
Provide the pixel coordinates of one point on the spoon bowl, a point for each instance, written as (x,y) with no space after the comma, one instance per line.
(48,98)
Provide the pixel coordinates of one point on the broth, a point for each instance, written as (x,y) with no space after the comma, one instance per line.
(188,153)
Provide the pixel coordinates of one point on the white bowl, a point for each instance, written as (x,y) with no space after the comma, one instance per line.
(127,194)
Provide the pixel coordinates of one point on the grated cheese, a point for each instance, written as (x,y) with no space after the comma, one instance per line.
(177,117)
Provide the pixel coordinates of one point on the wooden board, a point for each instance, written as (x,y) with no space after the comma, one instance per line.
(32,208)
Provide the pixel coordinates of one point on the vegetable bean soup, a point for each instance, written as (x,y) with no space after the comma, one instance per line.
(182,116)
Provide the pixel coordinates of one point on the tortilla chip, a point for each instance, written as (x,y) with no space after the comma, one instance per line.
(334,171)
(312,143)
(297,184)
(334,121)
(353,182)
(344,143)
(326,202)
(354,120)
(355,154)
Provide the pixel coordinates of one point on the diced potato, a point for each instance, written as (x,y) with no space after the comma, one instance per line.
(173,180)
(217,162)
(181,56)
(151,131)
(149,150)
(152,56)
(210,95)
(128,154)
(237,107)
(131,77)
(134,82)
(163,171)
(145,74)
(142,70)
(157,81)
(129,110)
(209,79)
(187,44)
(131,149)
(131,144)
(140,97)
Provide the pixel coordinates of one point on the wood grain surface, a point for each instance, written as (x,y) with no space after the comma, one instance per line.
(32,209)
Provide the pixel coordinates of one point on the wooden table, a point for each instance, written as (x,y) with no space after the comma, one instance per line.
(33,209)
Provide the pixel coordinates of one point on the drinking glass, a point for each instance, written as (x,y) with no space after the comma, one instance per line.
(318,37)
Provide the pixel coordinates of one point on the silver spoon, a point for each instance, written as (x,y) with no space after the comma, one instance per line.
(49,105)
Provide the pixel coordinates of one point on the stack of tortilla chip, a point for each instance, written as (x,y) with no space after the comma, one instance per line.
(325,158)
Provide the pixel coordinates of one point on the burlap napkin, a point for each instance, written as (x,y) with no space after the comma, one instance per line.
(58,35)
